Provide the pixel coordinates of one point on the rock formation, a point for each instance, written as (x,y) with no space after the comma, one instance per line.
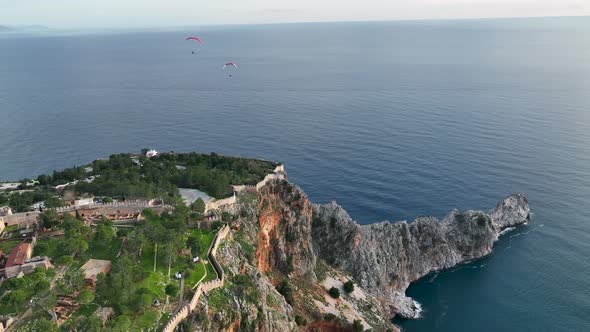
(383,258)
(284,239)
(280,238)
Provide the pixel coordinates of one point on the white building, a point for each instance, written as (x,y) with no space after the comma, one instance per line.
(151,153)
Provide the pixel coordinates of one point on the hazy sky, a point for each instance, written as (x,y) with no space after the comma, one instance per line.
(149,13)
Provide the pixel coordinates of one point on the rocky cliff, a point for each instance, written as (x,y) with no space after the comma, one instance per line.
(285,253)
(382,258)
(284,239)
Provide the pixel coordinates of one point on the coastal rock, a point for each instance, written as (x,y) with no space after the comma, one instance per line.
(384,258)
(511,211)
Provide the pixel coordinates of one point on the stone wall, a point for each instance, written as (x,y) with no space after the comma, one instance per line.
(216,204)
(277,174)
(22,220)
(202,287)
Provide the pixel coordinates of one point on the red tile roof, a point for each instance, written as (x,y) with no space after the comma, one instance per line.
(18,255)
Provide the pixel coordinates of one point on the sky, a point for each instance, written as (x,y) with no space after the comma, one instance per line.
(169,13)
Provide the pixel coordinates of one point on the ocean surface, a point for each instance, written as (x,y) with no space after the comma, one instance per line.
(392,120)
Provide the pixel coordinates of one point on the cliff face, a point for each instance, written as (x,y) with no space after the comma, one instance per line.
(383,258)
(284,239)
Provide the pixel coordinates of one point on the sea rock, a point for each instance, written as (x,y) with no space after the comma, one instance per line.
(511,211)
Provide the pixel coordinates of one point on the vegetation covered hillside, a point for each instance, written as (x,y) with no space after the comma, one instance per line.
(136,176)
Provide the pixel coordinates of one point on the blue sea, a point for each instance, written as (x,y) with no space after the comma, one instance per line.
(392,120)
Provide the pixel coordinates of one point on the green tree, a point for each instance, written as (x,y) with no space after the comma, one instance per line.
(334,292)
(53,202)
(172,290)
(89,323)
(104,233)
(86,296)
(42,324)
(198,205)
(142,300)
(49,219)
(120,324)
(119,287)
(348,286)
(195,245)
(72,281)
(16,298)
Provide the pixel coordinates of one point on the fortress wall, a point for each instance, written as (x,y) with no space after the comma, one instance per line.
(22,220)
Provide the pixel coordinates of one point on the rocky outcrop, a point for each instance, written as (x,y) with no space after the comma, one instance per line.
(284,239)
(384,258)
(510,212)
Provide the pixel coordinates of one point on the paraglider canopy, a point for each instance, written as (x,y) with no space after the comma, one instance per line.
(195,38)
(230,64)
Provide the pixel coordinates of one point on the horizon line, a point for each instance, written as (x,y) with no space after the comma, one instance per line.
(305,22)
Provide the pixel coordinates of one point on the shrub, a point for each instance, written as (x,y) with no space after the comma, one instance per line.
(330,317)
(300,321)
(334,292)
(357,326)
(171,290)
(349,286)
(285,289)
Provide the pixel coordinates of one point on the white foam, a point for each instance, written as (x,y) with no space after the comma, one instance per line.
(418,309)
(506,230)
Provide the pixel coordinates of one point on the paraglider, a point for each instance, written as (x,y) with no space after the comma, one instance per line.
(197,39)
(229,67)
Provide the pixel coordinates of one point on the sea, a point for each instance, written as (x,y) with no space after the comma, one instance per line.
(393,120)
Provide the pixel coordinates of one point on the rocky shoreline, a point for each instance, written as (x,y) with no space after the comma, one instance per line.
(382,258)
(386,257)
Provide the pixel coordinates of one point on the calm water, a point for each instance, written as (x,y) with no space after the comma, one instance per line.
(392,120)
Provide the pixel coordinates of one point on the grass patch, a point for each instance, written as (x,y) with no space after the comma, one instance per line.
(146,320)
(6,246)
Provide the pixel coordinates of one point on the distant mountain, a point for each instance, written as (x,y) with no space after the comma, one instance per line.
(24,28)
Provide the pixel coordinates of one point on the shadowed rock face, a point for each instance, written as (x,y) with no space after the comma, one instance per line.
(385,258)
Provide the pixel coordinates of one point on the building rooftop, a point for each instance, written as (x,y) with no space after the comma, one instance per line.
(94,267)
(19,254)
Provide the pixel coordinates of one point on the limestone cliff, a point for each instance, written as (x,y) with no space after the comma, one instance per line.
(284,253)
(382,258)
(284,239)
